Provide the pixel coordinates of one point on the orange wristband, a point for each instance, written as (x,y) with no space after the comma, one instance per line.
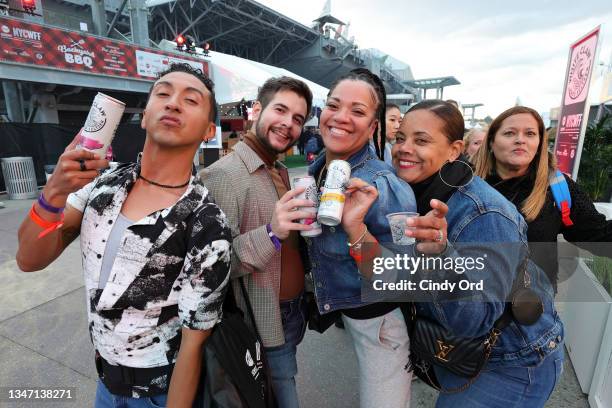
(48,226)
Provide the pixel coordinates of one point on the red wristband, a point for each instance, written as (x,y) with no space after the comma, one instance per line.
(48,226)
(355,254)
(358,254)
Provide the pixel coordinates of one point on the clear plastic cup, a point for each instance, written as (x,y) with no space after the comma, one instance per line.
(397,223)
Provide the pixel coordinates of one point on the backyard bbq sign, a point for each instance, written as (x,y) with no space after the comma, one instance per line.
(26,43)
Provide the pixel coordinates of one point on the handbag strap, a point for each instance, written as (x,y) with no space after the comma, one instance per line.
(247,301)
(270,396)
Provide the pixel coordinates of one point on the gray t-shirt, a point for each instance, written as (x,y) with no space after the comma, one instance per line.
(114,241)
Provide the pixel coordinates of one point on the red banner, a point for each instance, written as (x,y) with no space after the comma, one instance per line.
(574,107)
(34,44)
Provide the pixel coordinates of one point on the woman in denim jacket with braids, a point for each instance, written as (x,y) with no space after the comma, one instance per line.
(354,110)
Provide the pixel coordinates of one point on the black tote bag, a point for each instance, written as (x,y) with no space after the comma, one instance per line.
(234,370)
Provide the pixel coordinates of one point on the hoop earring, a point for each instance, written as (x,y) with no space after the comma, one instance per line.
(462,162)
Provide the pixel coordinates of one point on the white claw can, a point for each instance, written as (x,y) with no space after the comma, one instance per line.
(331,204)
(310,193)
(101,124)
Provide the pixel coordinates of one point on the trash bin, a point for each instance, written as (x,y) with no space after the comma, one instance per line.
(19,177)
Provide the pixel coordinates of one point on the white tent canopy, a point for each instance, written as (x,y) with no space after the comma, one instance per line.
(237,78)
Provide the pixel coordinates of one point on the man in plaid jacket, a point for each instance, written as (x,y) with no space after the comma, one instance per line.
(252,188)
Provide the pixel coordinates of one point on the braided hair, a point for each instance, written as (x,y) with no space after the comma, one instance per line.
(365,75)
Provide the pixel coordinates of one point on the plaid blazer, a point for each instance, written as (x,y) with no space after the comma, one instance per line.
(242,187)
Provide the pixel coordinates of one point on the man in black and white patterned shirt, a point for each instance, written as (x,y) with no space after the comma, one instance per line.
(155,249)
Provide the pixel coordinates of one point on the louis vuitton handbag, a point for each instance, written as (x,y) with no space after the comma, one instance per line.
(431,344)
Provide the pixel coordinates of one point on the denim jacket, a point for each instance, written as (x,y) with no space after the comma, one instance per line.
(336,279)
(474,210)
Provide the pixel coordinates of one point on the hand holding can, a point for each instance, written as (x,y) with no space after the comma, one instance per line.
(101,124)
(310,193)
(74,169)
(288,210)
(332,199)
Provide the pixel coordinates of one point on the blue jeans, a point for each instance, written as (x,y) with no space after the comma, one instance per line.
(281,360)
(506,387)
(104,399)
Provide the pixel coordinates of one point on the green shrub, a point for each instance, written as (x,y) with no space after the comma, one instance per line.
(596,160)
(601,267)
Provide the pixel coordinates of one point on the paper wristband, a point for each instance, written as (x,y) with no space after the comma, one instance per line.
(48,226)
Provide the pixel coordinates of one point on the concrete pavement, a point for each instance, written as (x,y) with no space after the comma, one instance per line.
(44,340)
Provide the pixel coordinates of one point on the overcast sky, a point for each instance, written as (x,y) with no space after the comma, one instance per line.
(498,50)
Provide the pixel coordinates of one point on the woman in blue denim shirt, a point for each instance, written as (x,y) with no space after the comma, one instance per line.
(527,361)
(355,108)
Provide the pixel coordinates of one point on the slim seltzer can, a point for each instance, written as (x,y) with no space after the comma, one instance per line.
(101,124)
(332,199)
(310,193)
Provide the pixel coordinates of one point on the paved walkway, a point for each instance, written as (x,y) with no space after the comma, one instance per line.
(44,340)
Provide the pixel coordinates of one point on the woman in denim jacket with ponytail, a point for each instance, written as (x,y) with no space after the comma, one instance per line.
(354,110)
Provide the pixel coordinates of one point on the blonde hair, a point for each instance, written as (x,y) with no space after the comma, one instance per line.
(543,163)
(467,139)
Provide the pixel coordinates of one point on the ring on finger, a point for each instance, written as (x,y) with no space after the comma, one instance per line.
(82,165)
(440,236)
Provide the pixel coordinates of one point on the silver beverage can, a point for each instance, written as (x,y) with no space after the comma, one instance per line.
(332,198)
(310,193)
(101,124)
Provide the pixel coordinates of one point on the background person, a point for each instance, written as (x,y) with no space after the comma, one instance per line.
(473,140)
(313,146)
(387,150)
(393,118)
(303,139)
(514,159)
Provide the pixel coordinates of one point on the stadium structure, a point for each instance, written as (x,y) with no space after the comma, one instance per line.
(39,89)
